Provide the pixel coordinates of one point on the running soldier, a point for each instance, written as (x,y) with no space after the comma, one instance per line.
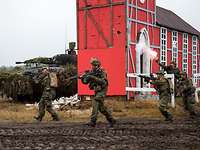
(162,86)
(188,94)
(48,95)
(97,80)
(172,69)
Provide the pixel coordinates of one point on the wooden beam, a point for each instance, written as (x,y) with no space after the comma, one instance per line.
(101,6)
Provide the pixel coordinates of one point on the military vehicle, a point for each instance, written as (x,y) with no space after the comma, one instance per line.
(22,86)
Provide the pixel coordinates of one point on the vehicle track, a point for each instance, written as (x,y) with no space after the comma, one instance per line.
(137,134)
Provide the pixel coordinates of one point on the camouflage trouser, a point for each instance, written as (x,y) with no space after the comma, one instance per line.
(176,93)
(163,106)
(189,102)
(98,105)
(45,103)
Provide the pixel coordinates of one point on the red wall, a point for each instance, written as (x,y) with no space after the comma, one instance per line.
(198,60)
(189,55)
(92,44)
(180,47)
(112,62)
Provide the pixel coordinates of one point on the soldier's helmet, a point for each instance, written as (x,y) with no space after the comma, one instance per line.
(72,45)
(183,74)
(173,62)
(95,62)
(161,72)
(44,68)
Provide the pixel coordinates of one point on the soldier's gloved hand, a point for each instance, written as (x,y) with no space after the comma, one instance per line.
(91,77)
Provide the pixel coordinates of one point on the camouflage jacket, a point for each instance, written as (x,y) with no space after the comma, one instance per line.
(98,81)
(162,86)
(170,70)
(48,91)
(186,87)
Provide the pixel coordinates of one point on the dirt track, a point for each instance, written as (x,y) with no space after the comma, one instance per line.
(137,134)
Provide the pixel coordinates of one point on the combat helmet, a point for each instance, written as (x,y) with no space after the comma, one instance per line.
(173,62)
(72,45)
(183,74)
(95,62)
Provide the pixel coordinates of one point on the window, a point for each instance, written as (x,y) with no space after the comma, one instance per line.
(175,47)
(163,46)
(194,56)
(185,53)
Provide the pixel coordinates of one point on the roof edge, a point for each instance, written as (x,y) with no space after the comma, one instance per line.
(179,18)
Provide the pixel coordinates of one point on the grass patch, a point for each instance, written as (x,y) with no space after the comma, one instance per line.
(17,112)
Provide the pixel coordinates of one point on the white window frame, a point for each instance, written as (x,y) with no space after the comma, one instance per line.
(175,47)
(194,56)
(185,53)
(163,45)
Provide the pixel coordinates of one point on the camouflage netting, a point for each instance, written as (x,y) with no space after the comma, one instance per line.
(20,85)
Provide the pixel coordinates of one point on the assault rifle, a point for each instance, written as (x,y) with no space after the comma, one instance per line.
(85,76)
(81,75)
(147,78)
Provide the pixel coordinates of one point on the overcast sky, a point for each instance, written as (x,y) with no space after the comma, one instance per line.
(32,28)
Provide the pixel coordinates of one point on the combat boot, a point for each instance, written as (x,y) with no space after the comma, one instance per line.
(112,122)
(56,119)
(194,115)
(169,118)
(91,124)
(38,119)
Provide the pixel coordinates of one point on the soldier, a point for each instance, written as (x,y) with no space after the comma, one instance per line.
(71,50)
(97,80)
(2,84)
(188,94)
(48,95)
(172,69)
(162,86)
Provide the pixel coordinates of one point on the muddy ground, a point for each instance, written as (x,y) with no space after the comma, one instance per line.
(134,134)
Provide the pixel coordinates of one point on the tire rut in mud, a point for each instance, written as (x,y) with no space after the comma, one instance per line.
(141,134)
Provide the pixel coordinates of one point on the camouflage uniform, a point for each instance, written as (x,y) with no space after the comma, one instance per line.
(163,88)
(71,50)
(48,95)
(172,70)
(188,94)
(99,83)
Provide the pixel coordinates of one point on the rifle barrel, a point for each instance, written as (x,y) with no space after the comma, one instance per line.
(19,62)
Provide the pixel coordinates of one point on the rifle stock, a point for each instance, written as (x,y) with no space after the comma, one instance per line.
(147,78)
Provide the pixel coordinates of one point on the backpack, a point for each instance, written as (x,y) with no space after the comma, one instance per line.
(53,80)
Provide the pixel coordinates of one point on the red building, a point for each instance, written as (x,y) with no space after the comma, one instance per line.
(110,30)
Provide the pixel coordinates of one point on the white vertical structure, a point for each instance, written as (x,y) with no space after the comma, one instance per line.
(143,43)
(163,46)
(195,79)
(185,53)
(175,47)
(171,77)
(138,64)
(194,57)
